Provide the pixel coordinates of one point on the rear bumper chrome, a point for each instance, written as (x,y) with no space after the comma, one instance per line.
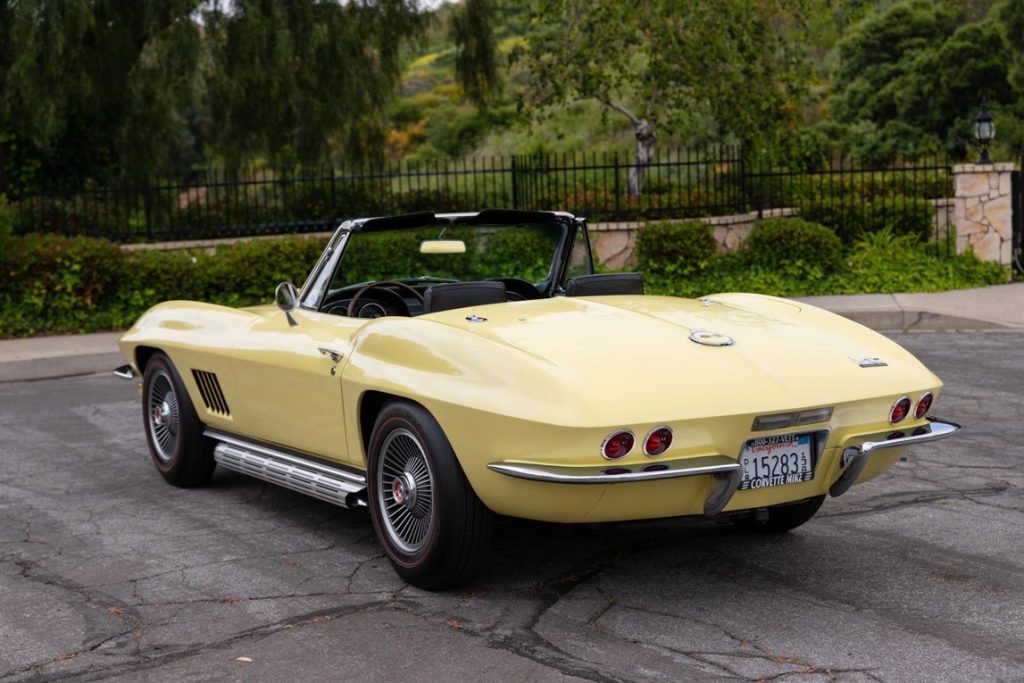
(855,458)
(726,471)
(933,431)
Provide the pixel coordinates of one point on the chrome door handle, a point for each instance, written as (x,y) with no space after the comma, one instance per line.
(332,354)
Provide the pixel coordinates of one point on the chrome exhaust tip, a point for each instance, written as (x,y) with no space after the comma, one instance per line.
(854,460)
(125,372)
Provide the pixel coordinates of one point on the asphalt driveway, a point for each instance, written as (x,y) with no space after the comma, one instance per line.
(108,572)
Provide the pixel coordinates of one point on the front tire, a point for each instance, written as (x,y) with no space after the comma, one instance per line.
(433,527)
(783,518)
(182,455)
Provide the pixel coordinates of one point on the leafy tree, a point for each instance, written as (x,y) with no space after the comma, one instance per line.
(669,64)
(294,79)
(1010,15)
(92,85)
(476,64)
(104,90)
(878,52)
(909,80)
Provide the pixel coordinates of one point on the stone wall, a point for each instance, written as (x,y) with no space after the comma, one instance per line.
(981,215)
(983,211)
(613,242)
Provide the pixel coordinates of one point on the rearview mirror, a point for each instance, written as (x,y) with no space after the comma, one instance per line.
(442,247)
(287,299)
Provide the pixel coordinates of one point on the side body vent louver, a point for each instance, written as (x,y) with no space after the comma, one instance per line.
(210,389)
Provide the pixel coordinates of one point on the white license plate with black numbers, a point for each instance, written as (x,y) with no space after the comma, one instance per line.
(777,460)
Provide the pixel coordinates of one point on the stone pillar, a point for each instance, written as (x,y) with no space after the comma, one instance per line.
(983,211)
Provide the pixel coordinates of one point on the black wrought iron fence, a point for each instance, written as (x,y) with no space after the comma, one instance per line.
(847,196)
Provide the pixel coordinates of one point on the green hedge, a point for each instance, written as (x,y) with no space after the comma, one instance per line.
(667,249)
(878,262)
(795,245)
(56,285)
(52,285)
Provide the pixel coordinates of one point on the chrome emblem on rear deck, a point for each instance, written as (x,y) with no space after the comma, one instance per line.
(869,362)
(711,338)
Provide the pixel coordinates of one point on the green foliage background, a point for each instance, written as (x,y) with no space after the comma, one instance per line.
(59,285)
(793,257)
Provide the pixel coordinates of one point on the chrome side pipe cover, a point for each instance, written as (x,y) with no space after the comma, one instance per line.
(326,483)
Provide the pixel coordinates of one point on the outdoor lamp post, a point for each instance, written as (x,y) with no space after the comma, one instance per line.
(984,132)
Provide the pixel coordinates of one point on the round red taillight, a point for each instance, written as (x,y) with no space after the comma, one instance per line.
(617,445)
(923,406)
(658,441)
(900,410)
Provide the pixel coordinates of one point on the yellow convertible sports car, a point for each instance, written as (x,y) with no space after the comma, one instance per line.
(443,368)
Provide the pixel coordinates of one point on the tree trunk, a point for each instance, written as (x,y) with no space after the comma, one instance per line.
(645,139)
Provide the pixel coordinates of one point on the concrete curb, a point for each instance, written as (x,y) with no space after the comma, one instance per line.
(1000,307)
(49,368)
(53,357)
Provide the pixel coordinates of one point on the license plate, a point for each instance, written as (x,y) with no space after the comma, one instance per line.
(776,460)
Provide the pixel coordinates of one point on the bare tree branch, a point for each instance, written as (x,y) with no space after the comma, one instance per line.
(603,99)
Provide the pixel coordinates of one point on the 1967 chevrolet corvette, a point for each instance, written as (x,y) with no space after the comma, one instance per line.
(414,374)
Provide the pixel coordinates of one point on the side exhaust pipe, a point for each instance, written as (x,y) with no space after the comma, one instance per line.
(344,489)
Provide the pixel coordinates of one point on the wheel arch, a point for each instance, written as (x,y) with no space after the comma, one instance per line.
(371,402)
(142,356)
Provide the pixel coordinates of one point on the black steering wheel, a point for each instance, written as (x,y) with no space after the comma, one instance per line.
(379,283)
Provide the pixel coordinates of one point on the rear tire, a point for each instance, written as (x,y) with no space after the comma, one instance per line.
(782,518)
(431,523)
(182,455)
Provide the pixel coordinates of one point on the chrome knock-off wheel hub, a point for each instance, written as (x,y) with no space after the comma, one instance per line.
(164,419)
(405,491)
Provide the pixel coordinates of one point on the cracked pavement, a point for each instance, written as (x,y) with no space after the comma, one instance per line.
(107,572)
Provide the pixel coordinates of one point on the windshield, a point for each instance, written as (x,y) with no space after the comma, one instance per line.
(524,251)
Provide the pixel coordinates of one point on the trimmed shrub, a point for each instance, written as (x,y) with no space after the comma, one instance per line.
(51,284)
(794,242)
(674,249)
(46,277)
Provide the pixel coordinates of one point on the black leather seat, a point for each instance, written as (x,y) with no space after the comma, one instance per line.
(607,283)
(462,294)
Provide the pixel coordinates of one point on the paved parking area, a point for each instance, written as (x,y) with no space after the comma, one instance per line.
(105,571)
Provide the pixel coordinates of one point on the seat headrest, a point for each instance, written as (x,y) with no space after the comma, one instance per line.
(607,283)
(461,294)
